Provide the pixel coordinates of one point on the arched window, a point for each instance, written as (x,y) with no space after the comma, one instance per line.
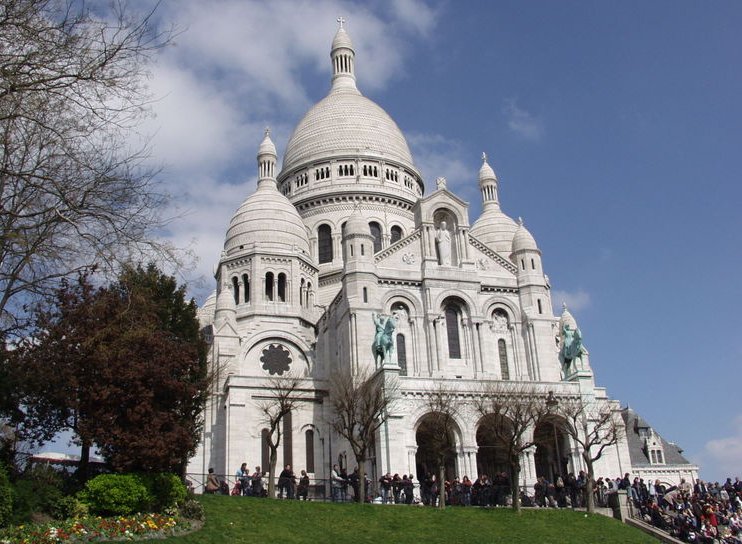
(365,294)
(324,244)
(502,350)
(540,307)
(396,234)
(376,233)
(236,290)
(308,293)
(402,355)
(246,287)
(301,293)
(452,331)
(264,450)
(309,461)
(282,287)
(269,286)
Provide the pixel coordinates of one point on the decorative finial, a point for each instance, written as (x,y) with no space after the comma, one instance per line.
(520,221)
(341,20)
(564,306)
(268,131)
(484,156)
(440,182)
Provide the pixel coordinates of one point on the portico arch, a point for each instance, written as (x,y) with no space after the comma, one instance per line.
(552,448)
(435,441)
(492,445)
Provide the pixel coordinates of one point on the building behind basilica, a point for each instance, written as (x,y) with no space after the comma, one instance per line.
(344,233)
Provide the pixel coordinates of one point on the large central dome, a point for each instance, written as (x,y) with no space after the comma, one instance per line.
(346,123)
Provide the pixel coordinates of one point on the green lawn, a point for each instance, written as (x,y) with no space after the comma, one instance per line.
(240,519)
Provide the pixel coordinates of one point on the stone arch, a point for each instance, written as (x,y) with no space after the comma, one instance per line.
(492,446)
(432,440)
(501,302)
(453,213)
(465,298)
(553,449)
(398,295)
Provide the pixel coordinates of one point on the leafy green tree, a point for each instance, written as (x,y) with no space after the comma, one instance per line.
(122,366)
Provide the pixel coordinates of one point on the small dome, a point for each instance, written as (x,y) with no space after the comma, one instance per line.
(267,218)
(567,319)
(486,172)
(341,39)
(523,240)
(225,302)
(356,225)
(266,146)
(495,229)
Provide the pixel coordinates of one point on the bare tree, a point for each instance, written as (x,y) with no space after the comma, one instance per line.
(594,426)
(360,405)
(439,427)
(509,413)
(282,399)
(74,188)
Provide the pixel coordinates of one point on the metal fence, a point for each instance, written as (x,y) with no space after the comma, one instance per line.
(321,489)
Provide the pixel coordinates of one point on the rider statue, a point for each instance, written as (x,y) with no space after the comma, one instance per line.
(383,346)
(571,349)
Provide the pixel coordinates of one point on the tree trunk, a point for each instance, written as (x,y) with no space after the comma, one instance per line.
(83,468)
(442,486)
(272,472)
(590,499)
(361,481)
(514,480)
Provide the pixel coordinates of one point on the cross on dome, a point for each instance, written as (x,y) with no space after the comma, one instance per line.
(341,21)
(484,156)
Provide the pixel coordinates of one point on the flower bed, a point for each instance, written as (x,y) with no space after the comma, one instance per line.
(95,529)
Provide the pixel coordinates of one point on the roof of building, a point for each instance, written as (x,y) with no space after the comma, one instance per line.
(638,454)
(346,123)
(523,239)
(266,218)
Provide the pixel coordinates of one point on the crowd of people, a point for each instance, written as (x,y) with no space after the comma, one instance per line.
(704,513)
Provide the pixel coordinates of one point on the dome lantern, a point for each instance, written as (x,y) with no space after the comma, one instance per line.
(343,61)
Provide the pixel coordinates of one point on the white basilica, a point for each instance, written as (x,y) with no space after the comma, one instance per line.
(345,230)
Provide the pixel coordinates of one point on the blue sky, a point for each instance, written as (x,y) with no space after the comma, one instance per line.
(614,128)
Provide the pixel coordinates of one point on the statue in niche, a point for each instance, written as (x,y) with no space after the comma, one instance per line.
(383,346)
(443,243)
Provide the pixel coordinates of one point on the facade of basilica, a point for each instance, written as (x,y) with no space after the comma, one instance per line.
(343,246)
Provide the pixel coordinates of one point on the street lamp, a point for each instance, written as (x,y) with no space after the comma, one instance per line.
(551,407)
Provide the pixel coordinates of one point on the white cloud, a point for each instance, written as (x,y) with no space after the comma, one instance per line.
(575,300)
(524,124)
(436,156)
(720,457)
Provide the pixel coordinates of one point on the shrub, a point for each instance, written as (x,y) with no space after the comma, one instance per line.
(36,492)
(69,507)
(192,509)
(6,498)
(167,490)
(116,494)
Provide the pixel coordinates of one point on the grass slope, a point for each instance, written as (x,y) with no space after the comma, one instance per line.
(240,520)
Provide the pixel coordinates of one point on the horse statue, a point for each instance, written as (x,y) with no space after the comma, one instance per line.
(383,346)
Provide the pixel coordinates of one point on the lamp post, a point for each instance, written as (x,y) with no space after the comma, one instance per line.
(551,406)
